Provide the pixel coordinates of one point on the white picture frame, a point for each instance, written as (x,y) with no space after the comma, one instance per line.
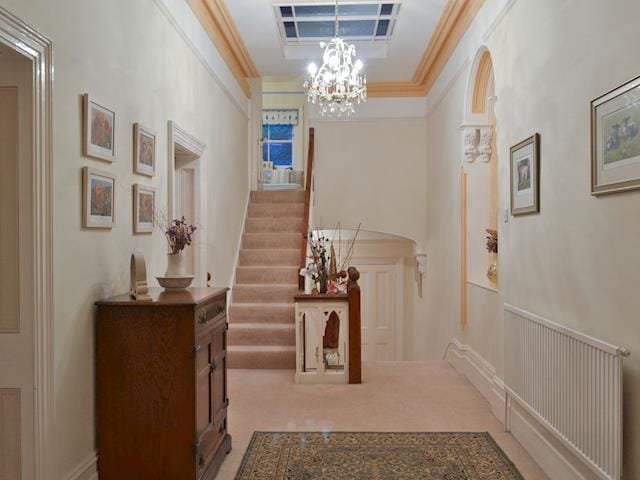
(98,198)
(144,205)
(99,129)
(144,150)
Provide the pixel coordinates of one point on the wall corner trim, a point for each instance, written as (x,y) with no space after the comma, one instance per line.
(553,459)
(217,22)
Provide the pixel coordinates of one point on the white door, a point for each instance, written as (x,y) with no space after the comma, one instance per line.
(185,205)
(378,302)
(16,271)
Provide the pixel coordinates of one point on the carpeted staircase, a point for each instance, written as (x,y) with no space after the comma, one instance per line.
(261,315)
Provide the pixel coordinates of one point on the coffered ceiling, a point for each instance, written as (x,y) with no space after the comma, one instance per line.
(404,43)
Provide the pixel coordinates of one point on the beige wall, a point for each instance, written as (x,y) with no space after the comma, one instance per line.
(576,262)
(128,55)
(371,172)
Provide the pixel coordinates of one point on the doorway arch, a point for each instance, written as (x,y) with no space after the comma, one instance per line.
(479,178)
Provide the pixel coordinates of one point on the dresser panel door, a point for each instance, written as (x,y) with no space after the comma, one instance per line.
(219,397)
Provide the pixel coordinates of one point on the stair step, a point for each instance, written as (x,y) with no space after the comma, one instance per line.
(264,293)
(278,196)
(263,357)
(272,240)
(261,313)
(264,334)
(269,257)
(284,224)
(275,210)
(269,275)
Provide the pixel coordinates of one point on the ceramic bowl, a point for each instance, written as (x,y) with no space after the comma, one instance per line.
(175,283)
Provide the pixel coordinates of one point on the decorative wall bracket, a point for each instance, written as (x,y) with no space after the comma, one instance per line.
(477,142)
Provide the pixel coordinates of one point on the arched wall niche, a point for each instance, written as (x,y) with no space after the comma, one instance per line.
(479,181)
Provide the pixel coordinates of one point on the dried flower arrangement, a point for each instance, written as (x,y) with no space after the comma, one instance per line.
(492,240)
(179,234)
(328,269)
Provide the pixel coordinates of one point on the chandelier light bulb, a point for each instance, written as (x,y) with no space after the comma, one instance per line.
(312,69)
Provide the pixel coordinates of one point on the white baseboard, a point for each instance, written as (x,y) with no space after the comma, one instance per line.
(554,459)
(86,470)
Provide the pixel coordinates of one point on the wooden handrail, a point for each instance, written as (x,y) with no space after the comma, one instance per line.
(307,206)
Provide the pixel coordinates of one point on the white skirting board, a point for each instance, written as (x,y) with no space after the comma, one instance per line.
(86,470)
(556,461)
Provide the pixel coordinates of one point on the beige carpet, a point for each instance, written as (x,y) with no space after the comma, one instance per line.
(375,456)
(409,397)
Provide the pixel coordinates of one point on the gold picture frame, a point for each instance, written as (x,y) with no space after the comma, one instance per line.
(615,140)
(524,167)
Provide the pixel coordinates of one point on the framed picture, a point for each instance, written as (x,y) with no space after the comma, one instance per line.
(98,130)
(144,203)
(98,198)
(615,140)
(525,176)
(144,150)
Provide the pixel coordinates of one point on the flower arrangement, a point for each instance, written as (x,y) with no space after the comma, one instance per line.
(327,269)
(492,240)
(179,234)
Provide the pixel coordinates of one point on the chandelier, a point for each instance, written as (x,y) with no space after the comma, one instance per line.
(339,83)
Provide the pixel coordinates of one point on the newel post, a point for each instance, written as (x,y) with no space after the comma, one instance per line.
(355,333)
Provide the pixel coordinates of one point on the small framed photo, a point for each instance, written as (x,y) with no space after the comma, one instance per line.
(98,198)
(525,176)
(144,150)
(98,130)
(615,140)
(144,204)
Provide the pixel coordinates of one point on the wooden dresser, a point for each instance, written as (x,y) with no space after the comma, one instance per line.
(162,385)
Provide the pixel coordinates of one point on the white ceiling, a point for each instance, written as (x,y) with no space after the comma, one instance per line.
(256,22)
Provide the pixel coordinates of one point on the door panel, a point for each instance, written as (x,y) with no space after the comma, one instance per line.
(379,303)
(185,180)
(9,257)
(10,433)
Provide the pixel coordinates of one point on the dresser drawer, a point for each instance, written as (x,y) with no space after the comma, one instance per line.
(211,312)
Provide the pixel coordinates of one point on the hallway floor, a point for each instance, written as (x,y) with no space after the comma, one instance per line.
(410,397)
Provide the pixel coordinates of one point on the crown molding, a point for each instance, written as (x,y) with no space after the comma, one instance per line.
(217,22)
(454,22)
(403,88)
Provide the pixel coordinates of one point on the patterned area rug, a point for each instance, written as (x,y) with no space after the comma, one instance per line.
(375,456)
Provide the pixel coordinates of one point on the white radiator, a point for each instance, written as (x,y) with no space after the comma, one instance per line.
(571,383)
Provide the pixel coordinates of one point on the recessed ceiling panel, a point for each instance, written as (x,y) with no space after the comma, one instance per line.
(366,21)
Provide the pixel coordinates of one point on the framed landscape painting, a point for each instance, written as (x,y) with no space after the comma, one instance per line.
(98,130)
(144,150)
(144,204)
(98,198)
(525,176)
(615,140)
